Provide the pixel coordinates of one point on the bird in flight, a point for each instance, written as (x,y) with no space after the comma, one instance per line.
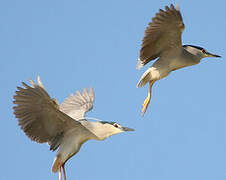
(63,127)
(162,41)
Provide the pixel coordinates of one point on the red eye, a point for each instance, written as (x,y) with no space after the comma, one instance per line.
(116,125)
(203,51)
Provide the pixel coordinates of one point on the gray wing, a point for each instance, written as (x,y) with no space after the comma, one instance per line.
(39,115)
(77,105)
(162,34)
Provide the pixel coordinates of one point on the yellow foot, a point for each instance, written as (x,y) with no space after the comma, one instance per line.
(145,105)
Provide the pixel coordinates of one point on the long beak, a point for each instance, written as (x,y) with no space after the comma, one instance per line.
(212,55)
(127,129)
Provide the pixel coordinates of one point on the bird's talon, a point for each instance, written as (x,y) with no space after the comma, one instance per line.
(145,105)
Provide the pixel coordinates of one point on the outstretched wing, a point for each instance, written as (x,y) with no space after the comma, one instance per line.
(77,105)
(162,34)
(39,115)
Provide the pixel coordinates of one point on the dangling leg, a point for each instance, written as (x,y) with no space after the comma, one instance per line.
(60,175)
(64,172)
(148,98)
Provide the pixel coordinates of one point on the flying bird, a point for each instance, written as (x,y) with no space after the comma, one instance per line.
(162,41)
(63,127)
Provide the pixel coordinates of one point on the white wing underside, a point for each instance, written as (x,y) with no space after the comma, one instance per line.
(77,105)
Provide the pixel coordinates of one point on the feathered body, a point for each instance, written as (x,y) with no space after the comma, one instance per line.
(162,41)
(163,66)
(63,127)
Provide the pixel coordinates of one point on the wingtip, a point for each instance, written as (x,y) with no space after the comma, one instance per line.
(32,82)
(138,85)
(91,90)
(85,90)
(92,94)
(39,79)
(40,82)
(25,85)
(177,7)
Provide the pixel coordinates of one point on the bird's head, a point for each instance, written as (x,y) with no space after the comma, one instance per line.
(199,51)
(104,129)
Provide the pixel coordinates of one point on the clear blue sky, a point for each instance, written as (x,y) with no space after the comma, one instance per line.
(75,44)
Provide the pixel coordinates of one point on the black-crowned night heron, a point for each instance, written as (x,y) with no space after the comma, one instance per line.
(162,40)
(65,126)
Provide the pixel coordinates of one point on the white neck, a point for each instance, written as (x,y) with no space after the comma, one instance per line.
(102,131)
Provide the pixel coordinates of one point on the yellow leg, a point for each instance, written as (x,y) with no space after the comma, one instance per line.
(148,98)
(60,175)
(64,172)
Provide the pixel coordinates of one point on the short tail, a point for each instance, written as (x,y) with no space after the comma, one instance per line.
(145,78)
(56,164)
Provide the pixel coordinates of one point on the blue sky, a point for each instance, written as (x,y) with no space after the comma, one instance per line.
(75,44)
